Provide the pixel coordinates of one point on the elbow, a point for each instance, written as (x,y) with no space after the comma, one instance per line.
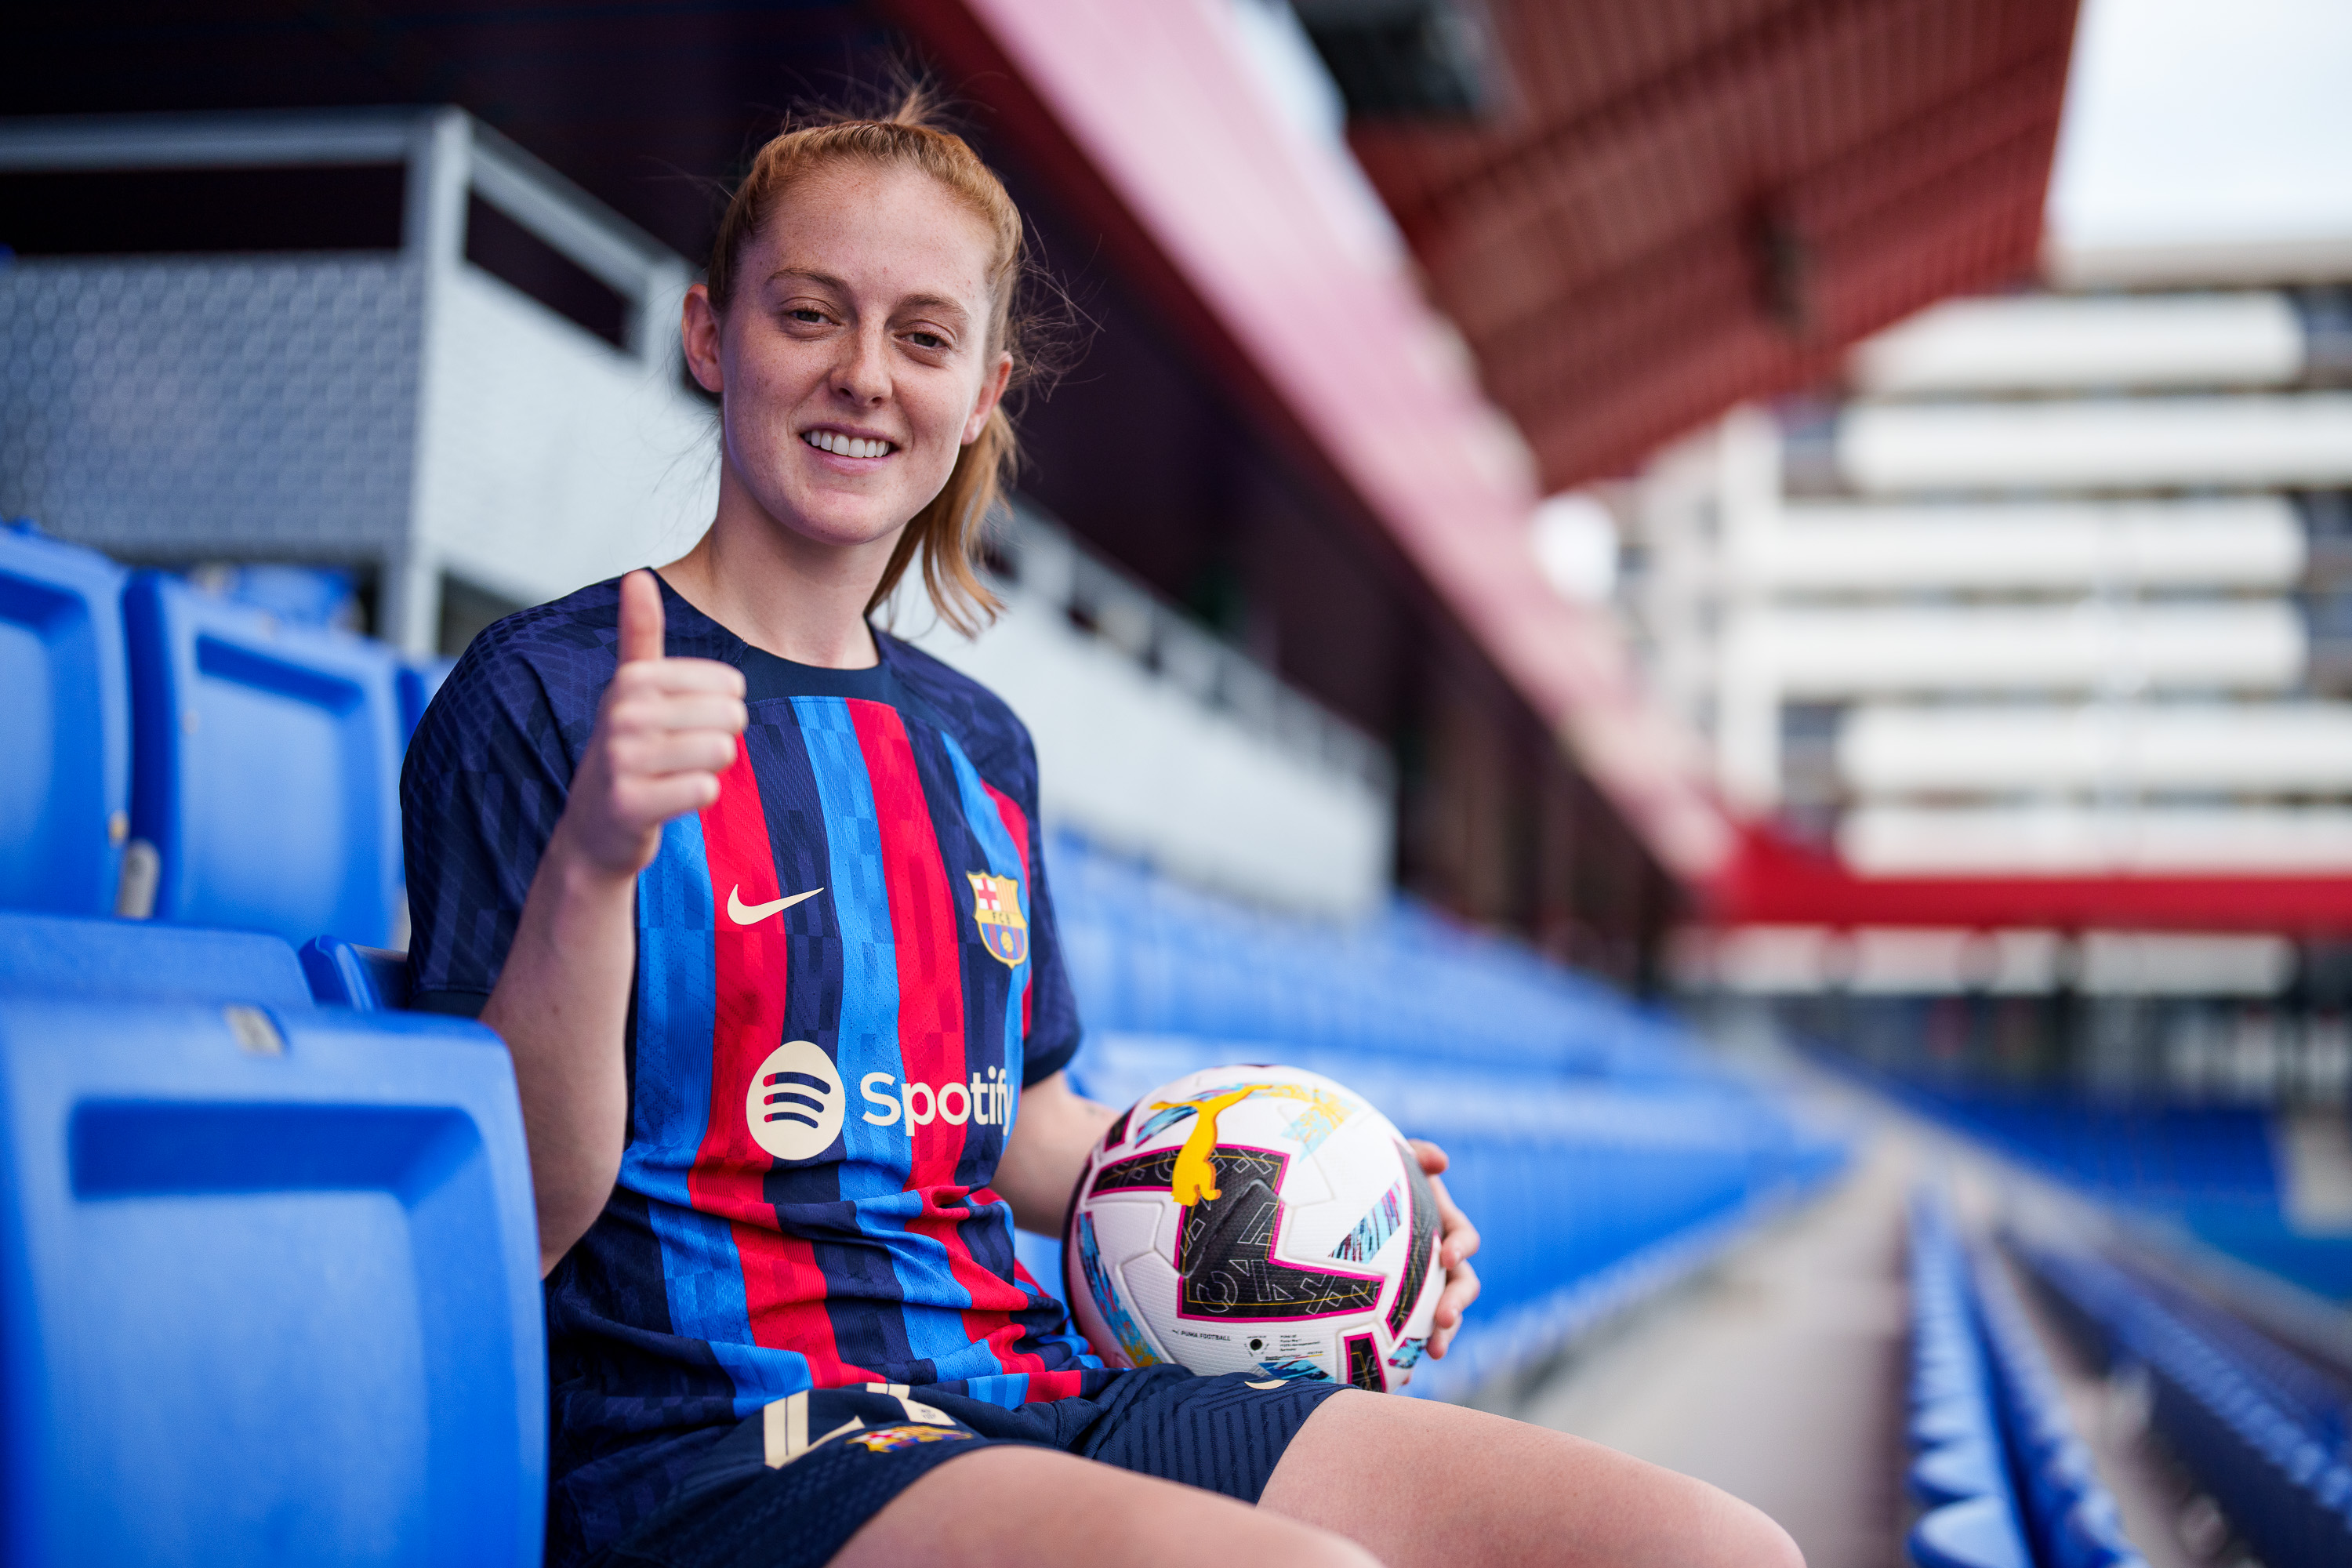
(563,1223)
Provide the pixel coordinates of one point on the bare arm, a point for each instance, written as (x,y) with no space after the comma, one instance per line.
(664,731)
(1052,1133)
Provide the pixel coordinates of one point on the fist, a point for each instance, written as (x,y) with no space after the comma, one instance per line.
(665,731)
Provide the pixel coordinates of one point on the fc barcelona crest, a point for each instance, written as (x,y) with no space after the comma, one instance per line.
(996,905)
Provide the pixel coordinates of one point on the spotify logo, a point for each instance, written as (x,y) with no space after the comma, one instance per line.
(794,1103)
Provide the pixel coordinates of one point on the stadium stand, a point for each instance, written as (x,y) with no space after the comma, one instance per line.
(2003,1478)
(1601,1154)
(2210,1170)
(2261,1430)
(265,767)
(1959,1472)
(268,1285)
(64,774)
(2070,1517)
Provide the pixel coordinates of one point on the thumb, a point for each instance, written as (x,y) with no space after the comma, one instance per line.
(641,617)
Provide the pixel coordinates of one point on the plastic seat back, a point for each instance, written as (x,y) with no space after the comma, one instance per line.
(346,974)
(138,961)
(269,1292)
(420,682)
(65,770)
(266,767)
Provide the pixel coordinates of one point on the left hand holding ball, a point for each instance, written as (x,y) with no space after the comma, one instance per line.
(1458,1239)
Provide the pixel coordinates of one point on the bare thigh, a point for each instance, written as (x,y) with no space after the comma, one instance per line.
(1424,1485)
(1033,1507)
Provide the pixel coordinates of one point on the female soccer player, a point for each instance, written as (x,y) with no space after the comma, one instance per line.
(711,853)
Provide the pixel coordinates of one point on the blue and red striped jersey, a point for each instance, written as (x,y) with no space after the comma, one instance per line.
(847,971)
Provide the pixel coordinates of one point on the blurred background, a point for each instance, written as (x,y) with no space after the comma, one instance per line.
(1742,609)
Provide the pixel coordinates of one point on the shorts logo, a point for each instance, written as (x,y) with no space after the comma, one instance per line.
(794,1103)
(889,1439)
(996,905)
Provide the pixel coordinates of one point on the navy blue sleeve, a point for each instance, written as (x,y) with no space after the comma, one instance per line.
(485,782)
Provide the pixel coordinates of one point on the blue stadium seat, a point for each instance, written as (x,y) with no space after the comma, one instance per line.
(1978,1533)
(269,1292)
(345,974)
(138,960)
(65,771)
(265,767)
(1960,1467)
(2237,1417)
(420,682)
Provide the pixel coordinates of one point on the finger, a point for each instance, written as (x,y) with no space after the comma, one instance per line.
(664,752)
(1432,1158)
(1451,1307)
(650,802)
(1461,1244)
(1463,1287)
(647,712)
(691,674)
(641,617)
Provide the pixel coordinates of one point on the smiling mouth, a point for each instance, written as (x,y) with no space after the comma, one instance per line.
(842,445)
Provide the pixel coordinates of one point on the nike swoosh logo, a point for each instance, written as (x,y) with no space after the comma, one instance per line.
(744,914)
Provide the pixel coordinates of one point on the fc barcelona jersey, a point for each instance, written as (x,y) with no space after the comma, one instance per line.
(846,972)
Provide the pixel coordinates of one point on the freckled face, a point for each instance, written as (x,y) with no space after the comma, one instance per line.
(855,362)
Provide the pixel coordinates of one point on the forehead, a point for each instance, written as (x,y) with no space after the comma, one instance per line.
(883,226)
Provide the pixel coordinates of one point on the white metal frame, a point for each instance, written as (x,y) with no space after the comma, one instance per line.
(447,155)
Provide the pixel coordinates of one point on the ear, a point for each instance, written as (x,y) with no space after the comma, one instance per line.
(698,330)
(991,392)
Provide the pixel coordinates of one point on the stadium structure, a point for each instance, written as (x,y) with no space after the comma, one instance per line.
(1957,784)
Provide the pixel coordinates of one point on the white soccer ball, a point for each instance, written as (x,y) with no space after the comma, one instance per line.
(1255,1219)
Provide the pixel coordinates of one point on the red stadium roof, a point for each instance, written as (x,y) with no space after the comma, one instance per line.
(1692,203)
(1772,881)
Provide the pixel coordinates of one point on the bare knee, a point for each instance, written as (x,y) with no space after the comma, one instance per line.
(1740,1535)
(1320,1549)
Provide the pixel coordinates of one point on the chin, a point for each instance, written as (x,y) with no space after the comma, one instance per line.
(827,521)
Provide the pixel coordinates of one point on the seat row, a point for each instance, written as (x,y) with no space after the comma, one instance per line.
(1985,1415)
(181,756)
(269,1270)
(2261,1433)
(1149,955)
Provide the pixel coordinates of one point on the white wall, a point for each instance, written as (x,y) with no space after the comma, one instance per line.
(2040,341)
(2286,748)
(1833,652)
(2245,541)
(1141,764)
(2150,443)
(550,459)
(1885,840)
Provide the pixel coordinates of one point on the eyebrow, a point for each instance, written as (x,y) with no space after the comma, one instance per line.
(939,302)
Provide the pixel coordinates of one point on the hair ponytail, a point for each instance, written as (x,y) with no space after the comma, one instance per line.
(949,533)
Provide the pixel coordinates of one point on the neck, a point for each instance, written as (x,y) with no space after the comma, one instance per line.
(779,590)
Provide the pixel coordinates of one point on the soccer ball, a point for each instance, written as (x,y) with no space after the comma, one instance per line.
(1255,1219)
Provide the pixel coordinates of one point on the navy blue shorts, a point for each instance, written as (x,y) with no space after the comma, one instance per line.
(787,1488)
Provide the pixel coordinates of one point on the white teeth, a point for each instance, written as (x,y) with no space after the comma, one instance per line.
(845,445)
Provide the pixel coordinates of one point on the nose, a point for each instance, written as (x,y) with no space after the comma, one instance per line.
(862,377)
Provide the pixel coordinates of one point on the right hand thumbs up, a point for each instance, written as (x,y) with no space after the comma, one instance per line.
(641,617)
(665,731)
